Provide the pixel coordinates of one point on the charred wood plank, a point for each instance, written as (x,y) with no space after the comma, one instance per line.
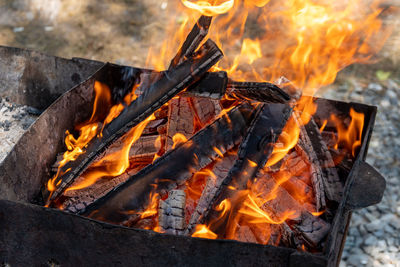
(193,40)
(171,212)
(253,153)
(305,149)
(206,110)
(169,84)
(180,120)
(220,171)
(174,167)
(332,184)
(304,227)
(216,85)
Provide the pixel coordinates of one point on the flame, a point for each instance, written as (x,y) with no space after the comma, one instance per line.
(178,139)
(202,231)
(208,9)
(351,136)
(114,164)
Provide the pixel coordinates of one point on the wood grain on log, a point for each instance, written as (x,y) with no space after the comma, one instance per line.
(305,149)
(173,168)
(206,109)
(332,184)
(168,85)
(171,212)
(180,120)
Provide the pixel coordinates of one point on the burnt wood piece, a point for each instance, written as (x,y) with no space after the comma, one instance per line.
(174,167)
(220,171)
(181,119)
(206,109)
(216,85)
(306,150)
(193,40)
(253,153)
(171,212)
(332,184)
(304,227)
(92,242)
(262,92)
(142,150)
(168,85)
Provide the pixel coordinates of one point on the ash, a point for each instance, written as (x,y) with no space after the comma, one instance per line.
(14,121)
(374,238)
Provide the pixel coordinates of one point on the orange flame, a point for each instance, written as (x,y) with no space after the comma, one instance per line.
(202,231)
(208,9)
(351,136)
(114,164)
(178,139)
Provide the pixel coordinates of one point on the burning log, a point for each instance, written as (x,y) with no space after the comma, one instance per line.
(206,109)
(169,84)
(305,149)
(253,153)
(171,212)
(180,120)
(332,184)
(193,40)
(173,168)
(216,85)
(303,226)
(220,171)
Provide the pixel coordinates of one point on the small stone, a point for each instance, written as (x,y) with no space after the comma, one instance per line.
(371,240)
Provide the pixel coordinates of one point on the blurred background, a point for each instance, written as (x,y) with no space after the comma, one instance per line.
(122,31)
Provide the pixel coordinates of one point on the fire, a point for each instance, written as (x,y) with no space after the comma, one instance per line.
(209,9)
(178,139)
(114,164)
(351,136)
(202,231)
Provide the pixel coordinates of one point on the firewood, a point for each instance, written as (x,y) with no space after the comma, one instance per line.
(171,212)
(305,227)
(174,167)
(220,171)
(180,120)
(216,84)
(166,87)
(253,153)
(206,109)
(305,149)
(332,184)
(193,40)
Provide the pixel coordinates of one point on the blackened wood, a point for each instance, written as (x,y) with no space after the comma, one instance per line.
(174,167)
(306,150)
(212,85)
(70,240)
(181,119)
(171,213)
(216,85)
(193,40)
(332,184)
(253,153)
(168,85)
(206,109)
(220,171)
(304,227)
(262,92)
